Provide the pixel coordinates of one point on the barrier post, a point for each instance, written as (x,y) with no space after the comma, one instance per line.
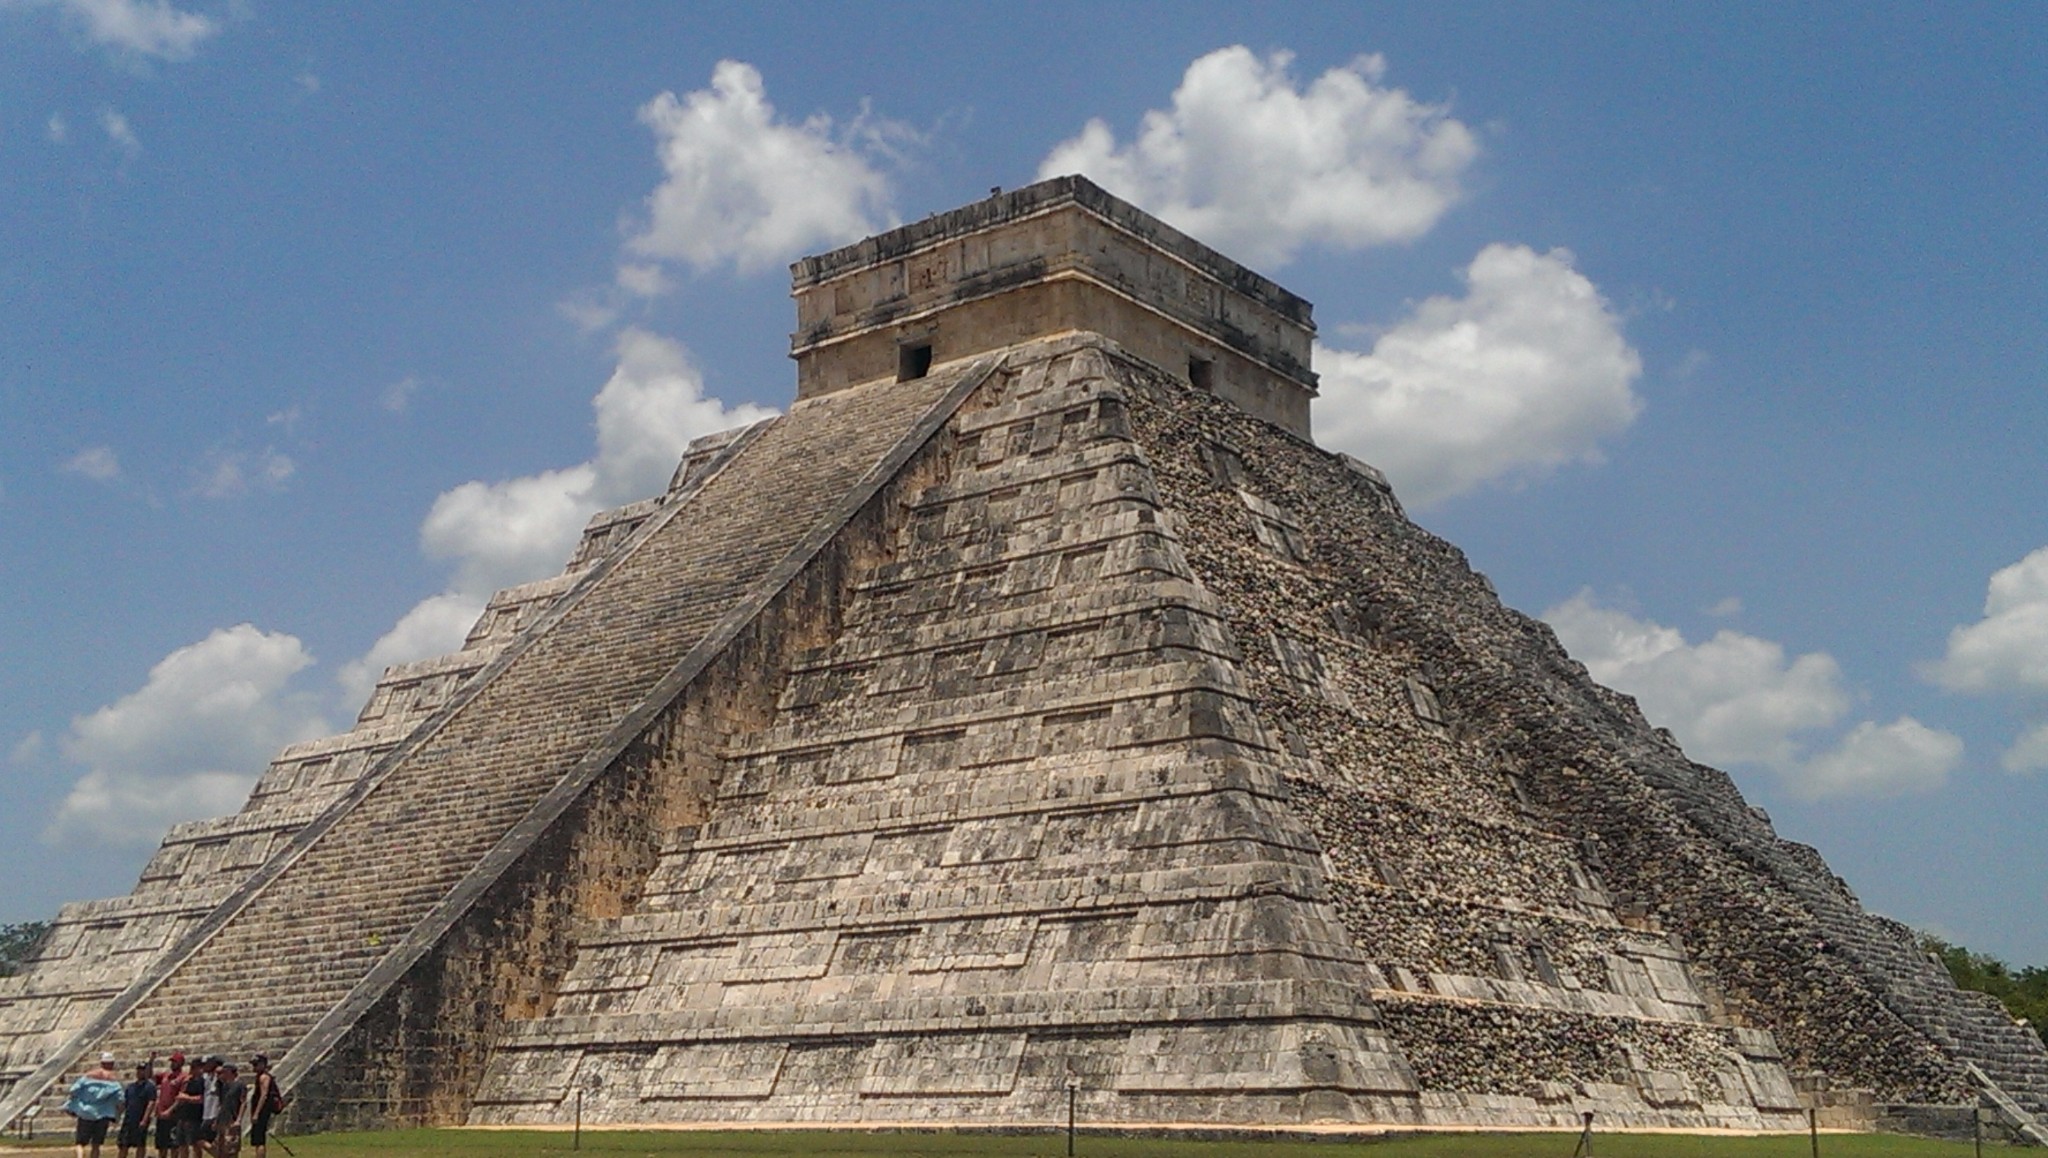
(1073,1092)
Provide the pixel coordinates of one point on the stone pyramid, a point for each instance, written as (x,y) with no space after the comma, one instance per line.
(1033,705)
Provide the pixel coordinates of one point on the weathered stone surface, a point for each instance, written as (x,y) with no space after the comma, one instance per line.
(1062,716)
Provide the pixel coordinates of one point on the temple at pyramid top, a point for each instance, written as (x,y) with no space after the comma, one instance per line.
(1051,258)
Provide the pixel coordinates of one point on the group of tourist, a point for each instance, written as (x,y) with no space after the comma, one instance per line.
(196,1111)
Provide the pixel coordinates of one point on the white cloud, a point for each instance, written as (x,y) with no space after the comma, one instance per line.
(144,27)
(1525,373)
(98,463)
(231,474)
(308,83)
(190,742)
(2007,650)
(120,132)
(2029,753)
(746,187)
(499,534)
(1258,167)
(435,626)
(510,532)
(1894,759)
(1736,699)
(57,128)
(397,397)
(504,533)
(592,310)
(642,280)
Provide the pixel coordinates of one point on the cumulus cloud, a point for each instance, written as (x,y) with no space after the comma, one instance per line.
(1894,759)
(435,626)
(1525,373)
(98,463)
(120,132)
(57,128)
(1737,699)
(143,28)
(2029,753)
(1259,167)
(747,187)
(510,532)
(2006,651)
(644,281)
(190,742)
(504,533)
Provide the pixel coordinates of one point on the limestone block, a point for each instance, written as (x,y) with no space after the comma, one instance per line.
(937,1065)
(714,1070)
(1240,1059)
(531,1076)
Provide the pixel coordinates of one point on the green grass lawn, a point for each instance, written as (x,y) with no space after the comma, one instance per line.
(516,1144)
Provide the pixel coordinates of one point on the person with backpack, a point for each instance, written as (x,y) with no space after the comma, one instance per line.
(266,1101)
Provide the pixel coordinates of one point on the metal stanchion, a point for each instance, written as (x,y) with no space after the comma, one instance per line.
(576,1138)
(1813,1129)
(1073,1092)
(1585,1147)
(1977,1129)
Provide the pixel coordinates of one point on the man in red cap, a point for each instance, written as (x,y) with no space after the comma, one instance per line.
(169,1084)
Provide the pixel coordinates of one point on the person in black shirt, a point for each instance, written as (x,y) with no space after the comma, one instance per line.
(138,1108)
(191,1114)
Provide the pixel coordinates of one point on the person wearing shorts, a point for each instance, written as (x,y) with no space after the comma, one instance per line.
(169,1084)
(191,1135)
(138,1106)
(95,1100)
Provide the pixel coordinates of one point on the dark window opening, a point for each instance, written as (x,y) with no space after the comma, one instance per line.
(1201,373)
(913,362)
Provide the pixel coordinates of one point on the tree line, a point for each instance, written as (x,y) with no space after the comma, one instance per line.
(2023,992)
(18,943)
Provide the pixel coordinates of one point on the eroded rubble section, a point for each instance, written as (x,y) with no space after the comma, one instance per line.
(1504,832)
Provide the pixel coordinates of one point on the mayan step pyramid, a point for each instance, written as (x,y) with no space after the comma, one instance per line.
(1033,705)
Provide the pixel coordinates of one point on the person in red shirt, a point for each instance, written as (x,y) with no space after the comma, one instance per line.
(168,1085)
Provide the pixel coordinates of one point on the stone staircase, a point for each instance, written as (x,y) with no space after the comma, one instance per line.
(364,890)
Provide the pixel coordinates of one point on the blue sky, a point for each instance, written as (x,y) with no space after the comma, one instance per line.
(1714,335)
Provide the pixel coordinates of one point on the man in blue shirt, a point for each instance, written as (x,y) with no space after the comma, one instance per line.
(95,1100)
(138,1107)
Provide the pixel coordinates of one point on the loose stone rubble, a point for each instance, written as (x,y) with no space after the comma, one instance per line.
(1058,715)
